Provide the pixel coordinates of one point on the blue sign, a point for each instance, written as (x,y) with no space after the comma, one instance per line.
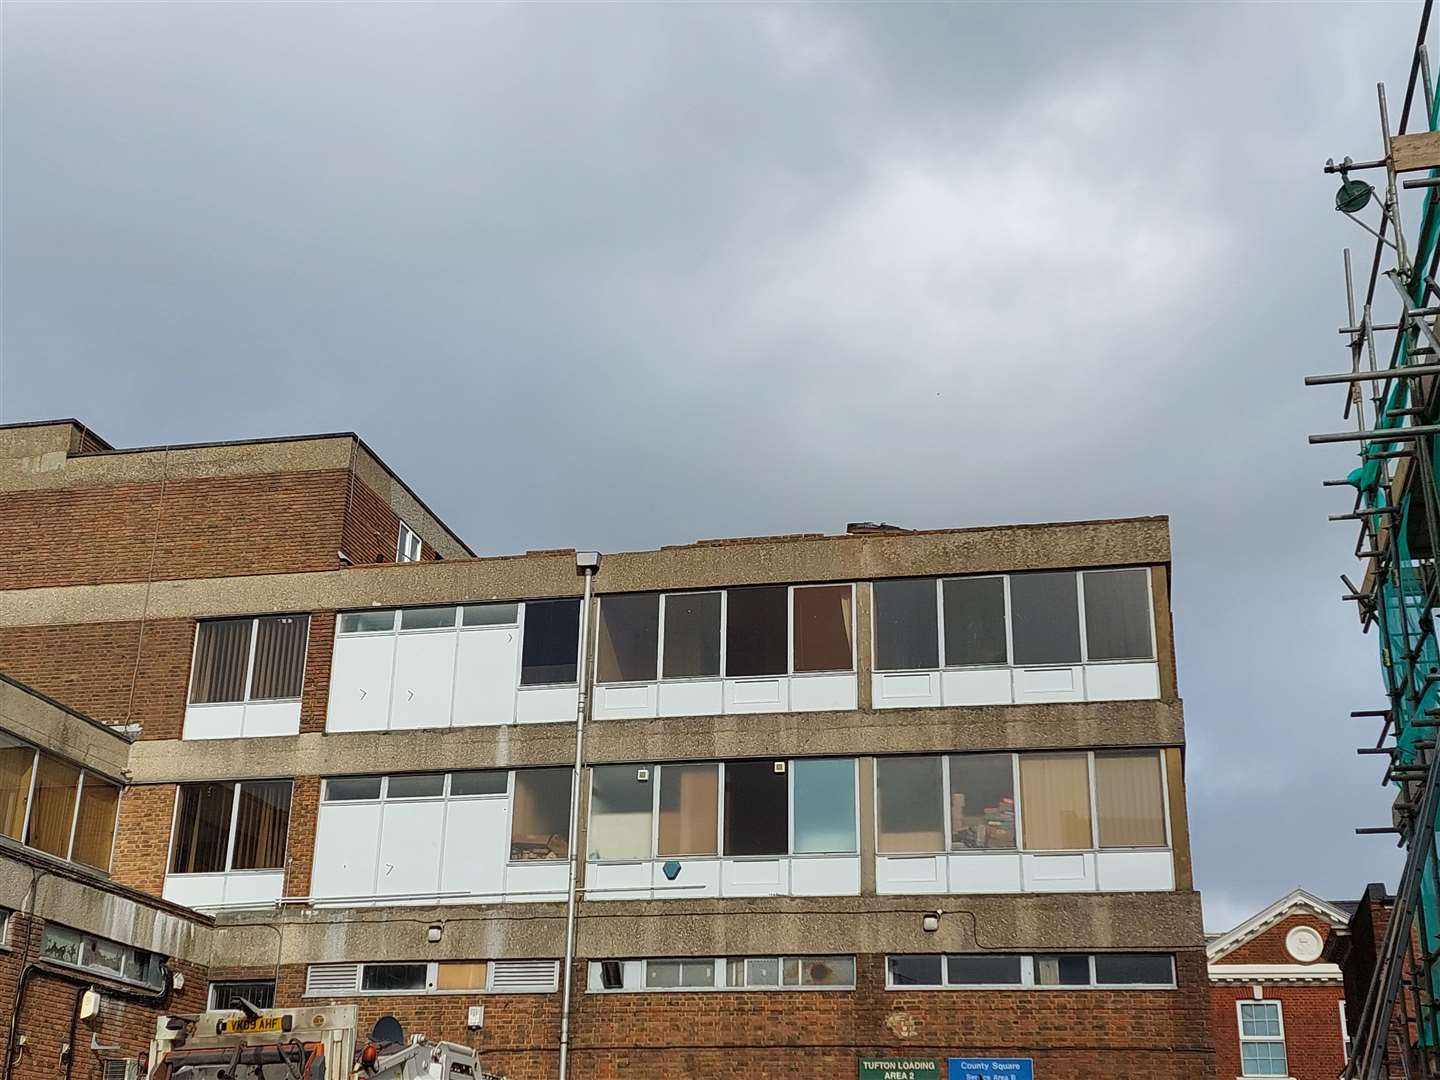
(988,1068)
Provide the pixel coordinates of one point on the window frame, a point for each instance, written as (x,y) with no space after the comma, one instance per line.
(1009,616)
(432,976)
(246,699)
(721,976)
(130,955)
(1268,1039)
(35,755)
(402,548)
(790,853)
(210,991)
(1027,975)
(235,785)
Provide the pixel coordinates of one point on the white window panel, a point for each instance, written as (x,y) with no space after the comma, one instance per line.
(346,849)
(332,980)
(407,546)
(476,847)
(410,844)
(360,681)
(487,672)
(424,680)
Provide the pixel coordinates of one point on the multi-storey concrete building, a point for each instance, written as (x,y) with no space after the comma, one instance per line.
(882,797)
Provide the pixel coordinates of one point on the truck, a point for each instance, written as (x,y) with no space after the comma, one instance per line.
(316,1043)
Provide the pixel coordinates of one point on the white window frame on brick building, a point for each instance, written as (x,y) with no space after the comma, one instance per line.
(707,974)
(225,885)
(101,956)
(500,977)
(259,992)
(408,545)
(809,660)
(455,665)
(56,806)
(1030,971)
(1267,1039)
(981,662)
(237,707)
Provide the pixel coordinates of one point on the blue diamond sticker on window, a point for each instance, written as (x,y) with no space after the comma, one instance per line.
(672,870)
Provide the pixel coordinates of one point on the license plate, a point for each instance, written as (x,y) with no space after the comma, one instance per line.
(237,1024)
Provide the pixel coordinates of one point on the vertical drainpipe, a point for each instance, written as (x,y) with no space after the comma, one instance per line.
(588,564)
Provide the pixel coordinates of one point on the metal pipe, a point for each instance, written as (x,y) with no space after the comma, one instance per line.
(587,563)
(1399,434)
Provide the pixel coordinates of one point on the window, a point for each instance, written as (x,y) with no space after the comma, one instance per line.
(823,628)
(679,974)
(1045,612)
(915,971)
(1117,615)
(975,621)
(353,788)
(627,639)
(1262,1039)
(366,622)
(95,822)
(756,801)
(490,615)
(756,631)
(724,973)
(427,618)
(1344,1025)
(620,812)
(258,992)
(52,807)
(17,763)
(1055,801)
(61,945)
(906,635)
(982,802)
(407,547)
(433,977)
(551,642)
(394,978)
(55,806)
(1130,799)
(909,812)
(260,659)
(540,820)
(457,976)
(689,810)
(983,970)
(1134,969)
(824,796)
(971,971)
(692,635)
(231,826)
(1062,970)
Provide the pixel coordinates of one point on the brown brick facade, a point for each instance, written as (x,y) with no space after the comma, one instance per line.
(372,529)
(300,850)
(142,837)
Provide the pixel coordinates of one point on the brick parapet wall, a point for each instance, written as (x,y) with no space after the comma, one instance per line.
(319,652)
(142,837)
(300,847)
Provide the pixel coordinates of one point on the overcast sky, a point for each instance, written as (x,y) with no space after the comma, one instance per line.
(624,276)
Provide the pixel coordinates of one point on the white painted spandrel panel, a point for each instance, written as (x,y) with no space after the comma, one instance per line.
(905,689)
(818,693)
(253,888)
(410,848)
(754,877)
(756,695)
(1122,682)
(487,666)
(195,890)
(628,702)
(826,875)
(424,676)
(214,721)
(547,705)
(536,881)
(1059,873)
(997,872)
(978,686)
(1136,871)
(1049,684)
(617,881)
(264,718)
(360,683)
(476,847)
(901,874)
(692,697)
(346,835)
(697,877)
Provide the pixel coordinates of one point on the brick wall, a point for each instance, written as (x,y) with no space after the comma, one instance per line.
(315,696)
(300,846)
(1268,947)
(372,529)
(1311,1017)
(142,836)
(194,528)
(126,1020)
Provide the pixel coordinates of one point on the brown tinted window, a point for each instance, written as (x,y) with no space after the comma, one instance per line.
(1055,802)
(1130,799)
(53,809)
(628,638)
(95,825)
(540,827)
(17,760)
(822,628)
(689,806)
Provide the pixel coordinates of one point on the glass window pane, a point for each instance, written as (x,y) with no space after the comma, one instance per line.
(824,805)
(628,637)
(823,628)
(1130,799)
(1055,802)
(1070,969)
(103,955)
(982,802)
(756,809)
(910,811)
(202,828)
(1134,969)
(53,809)
(222,655)
(17,762)
(914,970)
(1117,615)
(689,809)
(279,657)
(61,944)
(983,970)
(551,642)
(261,825)
(619,812)
(488,782)
(259,992)
(416,786)
(692,635)
(827,971)
(490,615)
(454,975)
(393,977)
(366,622)
(974,621)
(427,618)
(762,971)
(1046,613)
(756,632)
(95,825)
(905,624)
(540,822)
(352,788)
(673,974)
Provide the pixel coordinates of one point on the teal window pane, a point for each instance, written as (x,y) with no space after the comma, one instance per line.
(824,805)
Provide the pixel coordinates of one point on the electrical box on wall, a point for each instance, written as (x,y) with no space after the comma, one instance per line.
(475,1016)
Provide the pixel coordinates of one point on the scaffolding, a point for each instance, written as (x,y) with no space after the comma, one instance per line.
(1395,408)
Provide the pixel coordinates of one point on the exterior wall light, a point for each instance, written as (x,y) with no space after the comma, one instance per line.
(930,922)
